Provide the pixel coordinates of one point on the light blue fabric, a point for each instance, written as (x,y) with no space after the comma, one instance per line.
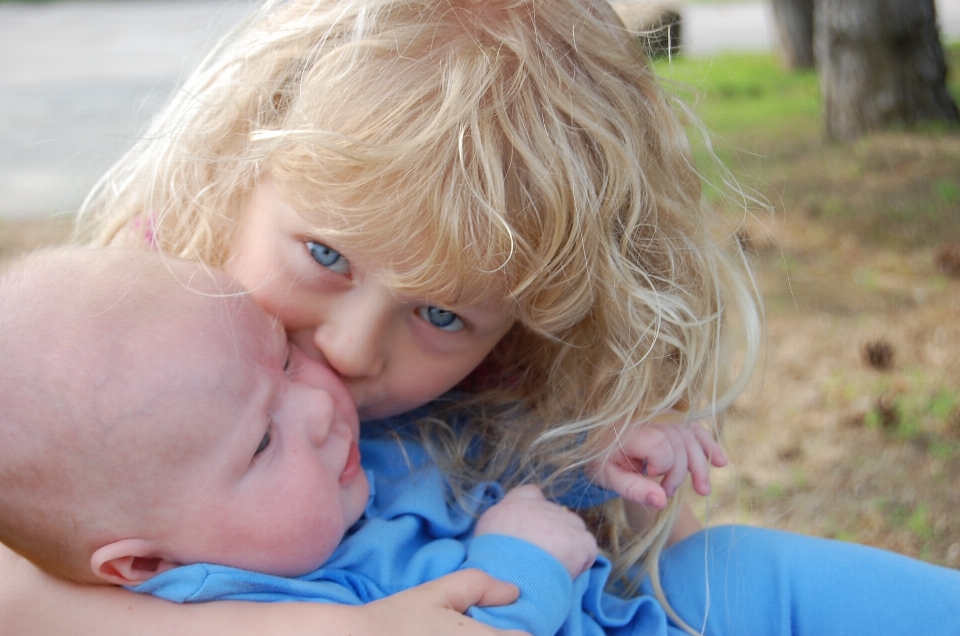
(575,492)
(759,582)
(410,535)
(769,583)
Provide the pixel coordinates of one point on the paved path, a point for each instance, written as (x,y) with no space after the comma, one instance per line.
(79,79)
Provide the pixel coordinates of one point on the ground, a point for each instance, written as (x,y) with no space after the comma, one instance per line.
(851,429)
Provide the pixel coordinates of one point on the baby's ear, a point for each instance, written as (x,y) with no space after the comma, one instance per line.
(129,562)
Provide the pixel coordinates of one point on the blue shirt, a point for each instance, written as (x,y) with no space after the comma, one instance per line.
(410,534)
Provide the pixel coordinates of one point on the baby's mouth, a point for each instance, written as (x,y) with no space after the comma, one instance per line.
(352,467)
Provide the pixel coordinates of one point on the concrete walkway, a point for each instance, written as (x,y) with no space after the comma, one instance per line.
(79,79)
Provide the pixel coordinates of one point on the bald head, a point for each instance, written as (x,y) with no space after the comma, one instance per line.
(82,332)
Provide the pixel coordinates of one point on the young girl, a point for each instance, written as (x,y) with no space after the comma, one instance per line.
(491,201)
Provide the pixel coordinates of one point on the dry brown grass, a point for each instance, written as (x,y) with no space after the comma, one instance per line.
(852,430)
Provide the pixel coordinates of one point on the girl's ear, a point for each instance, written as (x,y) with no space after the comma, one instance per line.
(129,562)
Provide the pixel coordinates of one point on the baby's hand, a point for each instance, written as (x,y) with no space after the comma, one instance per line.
(525,514)
(658,450)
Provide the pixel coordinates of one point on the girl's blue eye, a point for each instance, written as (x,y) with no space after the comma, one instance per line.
(329,258)
(263,443)
(441,318)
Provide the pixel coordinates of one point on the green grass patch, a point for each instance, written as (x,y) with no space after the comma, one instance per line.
(920,415)
(927,413)
(943,405)
(775,491)
(755,95)
(748,102)
(944,449)
(898,188)
(948,190)
(916,521)
(751,94)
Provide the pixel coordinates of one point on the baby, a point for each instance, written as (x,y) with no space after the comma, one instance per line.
(148,421)
(153,416)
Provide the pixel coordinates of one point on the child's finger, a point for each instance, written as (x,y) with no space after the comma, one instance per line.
(710,446)
(634,487)
(699,468)
(676,471)
(659,450)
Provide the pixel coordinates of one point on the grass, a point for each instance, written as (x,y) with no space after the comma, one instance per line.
(824,443)
(744,100)
(766,121)
(754,95)
(747,94)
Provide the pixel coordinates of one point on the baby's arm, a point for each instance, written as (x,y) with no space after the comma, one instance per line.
(525,514)
(648,463)
(541,547)
(32,602)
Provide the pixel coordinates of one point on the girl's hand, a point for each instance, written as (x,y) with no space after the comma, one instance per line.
(648,463)
(438,607)
(525,514)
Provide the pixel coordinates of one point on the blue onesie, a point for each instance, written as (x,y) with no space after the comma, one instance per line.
(735,580)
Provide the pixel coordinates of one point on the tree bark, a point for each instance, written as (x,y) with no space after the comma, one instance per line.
(794,20)
(880,64)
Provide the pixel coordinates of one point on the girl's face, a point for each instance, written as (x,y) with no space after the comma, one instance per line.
(394,353)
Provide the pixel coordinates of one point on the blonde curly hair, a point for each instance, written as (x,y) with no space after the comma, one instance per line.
(475,147)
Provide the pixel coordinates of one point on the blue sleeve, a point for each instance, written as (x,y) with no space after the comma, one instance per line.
(744,580)
(545,586)
(204,582)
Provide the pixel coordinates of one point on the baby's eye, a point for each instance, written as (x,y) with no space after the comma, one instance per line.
(329,258)
(441,318)
(286,359)
(263,443)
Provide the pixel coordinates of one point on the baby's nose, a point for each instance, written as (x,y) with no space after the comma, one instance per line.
(319,416)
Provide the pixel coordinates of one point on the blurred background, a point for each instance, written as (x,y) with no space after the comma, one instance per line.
(851,429)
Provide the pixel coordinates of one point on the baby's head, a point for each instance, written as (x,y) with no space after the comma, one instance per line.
(152,415)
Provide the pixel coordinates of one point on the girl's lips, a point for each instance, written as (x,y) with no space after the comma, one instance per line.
(352,468)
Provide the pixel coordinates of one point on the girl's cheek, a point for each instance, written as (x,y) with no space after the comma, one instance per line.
(303,339)
(269,304)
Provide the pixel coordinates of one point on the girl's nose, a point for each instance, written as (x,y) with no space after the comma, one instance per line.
(351,340)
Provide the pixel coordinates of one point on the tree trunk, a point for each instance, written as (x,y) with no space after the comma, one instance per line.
(880,64)
(794,20)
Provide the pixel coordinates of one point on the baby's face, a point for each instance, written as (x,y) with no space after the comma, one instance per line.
(270,477)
